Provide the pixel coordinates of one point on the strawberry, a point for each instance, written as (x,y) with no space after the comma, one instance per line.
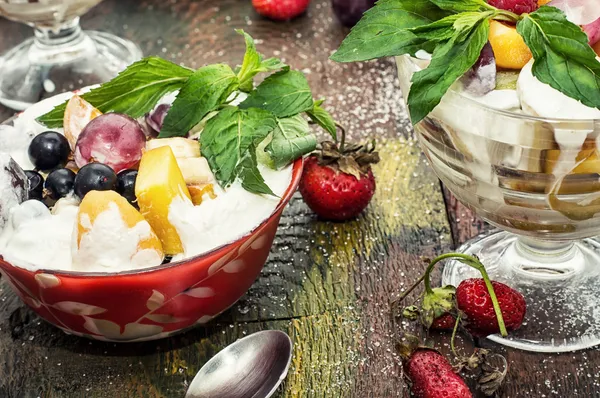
(516,6)
(338,183)
(280,10)
(432,376)
(475,302)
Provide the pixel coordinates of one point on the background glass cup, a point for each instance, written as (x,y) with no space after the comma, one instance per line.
(60,56)
(538,180)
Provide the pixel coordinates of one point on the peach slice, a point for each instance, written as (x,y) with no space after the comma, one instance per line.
(78,114)
(510,49)
(543,2)
(135,241)
(159,183)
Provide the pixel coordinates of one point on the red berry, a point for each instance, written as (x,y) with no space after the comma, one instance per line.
(432,376)
(280,10)
(516,6)
(473,299)
(334,195)
(444,322)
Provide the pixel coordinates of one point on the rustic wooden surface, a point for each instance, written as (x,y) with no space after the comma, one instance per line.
(328,285)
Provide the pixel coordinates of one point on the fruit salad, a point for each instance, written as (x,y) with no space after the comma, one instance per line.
(141,170)
(505,96)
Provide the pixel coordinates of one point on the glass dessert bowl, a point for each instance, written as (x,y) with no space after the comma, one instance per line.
(60,57)
(537,180)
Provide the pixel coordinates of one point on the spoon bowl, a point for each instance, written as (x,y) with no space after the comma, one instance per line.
(252,367)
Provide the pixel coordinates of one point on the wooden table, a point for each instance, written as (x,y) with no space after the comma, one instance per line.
(328,285)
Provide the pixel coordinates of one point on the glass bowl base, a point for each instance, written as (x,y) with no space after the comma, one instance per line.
(560,282)
(33,71)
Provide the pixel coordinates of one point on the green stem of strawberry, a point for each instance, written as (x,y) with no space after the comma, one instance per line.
(343,140)
(474,263)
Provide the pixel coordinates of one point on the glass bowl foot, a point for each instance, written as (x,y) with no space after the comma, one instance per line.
(560,282)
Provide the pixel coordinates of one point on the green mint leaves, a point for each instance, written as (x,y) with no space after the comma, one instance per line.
(455,31)
(270,126)
(227,140)
(135,91)
(285,94)
(451,60)
(563,58)
(384,30)
(204,91)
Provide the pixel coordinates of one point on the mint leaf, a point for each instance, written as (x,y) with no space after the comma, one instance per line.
(291,140)
(252,180)
(383,30)
(562,56)
(135,91)
(204,91)
(450,61)
(254,64)
(229,136)
(323,118)
(463,5)
(284,93)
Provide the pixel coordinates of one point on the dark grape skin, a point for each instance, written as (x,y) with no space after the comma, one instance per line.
(126,185)
(349,12)
(95,177)
(481,78)
(49,150)
(36,185)
(155,118)
(59,183)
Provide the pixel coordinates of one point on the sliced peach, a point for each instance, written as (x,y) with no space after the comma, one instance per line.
(97,202)
(159,183)
(198,192)
(78,114)
(587,159)
(182,147)
(510,49)
(543,2)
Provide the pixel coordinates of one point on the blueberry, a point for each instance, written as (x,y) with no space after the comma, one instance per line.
(126,185)
(49,150)
(95,177)
(59,183)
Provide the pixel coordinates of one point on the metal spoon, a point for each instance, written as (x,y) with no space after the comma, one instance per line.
(252,367)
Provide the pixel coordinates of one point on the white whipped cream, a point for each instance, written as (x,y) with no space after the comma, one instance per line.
(111,245)
(234,214)
(36,239)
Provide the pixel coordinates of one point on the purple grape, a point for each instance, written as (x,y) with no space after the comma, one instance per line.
(349,12)
(156,118)
(481,78)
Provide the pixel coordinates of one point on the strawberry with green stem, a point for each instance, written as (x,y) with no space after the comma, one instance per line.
(337,182)
(438,302)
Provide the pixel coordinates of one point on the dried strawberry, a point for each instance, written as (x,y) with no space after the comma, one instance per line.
(432,376)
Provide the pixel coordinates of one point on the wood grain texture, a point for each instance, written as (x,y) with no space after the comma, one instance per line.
(327,284)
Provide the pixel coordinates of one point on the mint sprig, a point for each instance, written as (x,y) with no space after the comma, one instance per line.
(450,61)
(563,57)
(135,91)
(384,30)
(455,30)
(268,127)
(204,91)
